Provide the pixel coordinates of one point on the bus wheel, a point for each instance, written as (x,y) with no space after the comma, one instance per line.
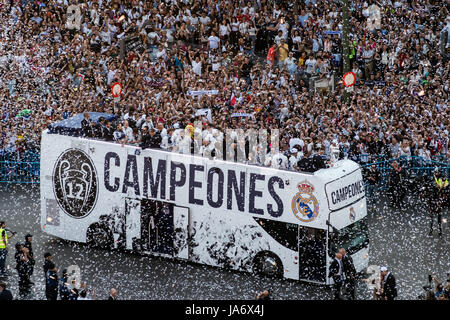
(268,264)
(98,237)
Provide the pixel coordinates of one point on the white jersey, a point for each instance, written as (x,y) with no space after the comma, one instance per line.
(277,161)
(293,160)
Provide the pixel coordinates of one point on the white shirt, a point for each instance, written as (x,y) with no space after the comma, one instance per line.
(213,42)
(277,161)
(184,145)
(197,67)
(128,133)
(224,30)
(310,64)
(204,20)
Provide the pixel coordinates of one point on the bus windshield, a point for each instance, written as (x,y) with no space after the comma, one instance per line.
(352,238)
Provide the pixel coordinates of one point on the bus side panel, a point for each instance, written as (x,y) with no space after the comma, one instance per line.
(233,241)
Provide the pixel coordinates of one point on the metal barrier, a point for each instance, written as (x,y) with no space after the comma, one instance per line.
(19,167)
(27,156)
(416,167)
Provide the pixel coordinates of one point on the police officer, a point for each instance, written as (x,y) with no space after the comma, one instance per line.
(28,245)
(64,291)
(51,292)
(23,268)
(4,247)
(437,198)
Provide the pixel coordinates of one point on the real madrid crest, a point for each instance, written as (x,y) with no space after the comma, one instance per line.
(304,203)
(352,214)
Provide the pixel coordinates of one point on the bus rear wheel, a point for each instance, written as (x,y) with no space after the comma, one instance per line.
(98,237)
(268,264)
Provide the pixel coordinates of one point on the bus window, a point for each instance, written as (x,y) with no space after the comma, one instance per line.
(312,261)
(352,238)
(284,233)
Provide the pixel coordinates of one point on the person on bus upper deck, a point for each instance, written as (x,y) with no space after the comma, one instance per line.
(108,131)
(86,125)
(155,139)
(336,272)
(145,140)
(318,161)
(100,128)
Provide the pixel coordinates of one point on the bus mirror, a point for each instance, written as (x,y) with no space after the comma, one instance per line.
(330,225)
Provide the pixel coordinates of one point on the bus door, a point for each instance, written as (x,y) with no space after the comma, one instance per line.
(157,227)
(132,224)
(181,232)
(312,254)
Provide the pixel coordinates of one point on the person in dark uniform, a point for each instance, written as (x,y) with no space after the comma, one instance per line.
(389,286)
(23,269)
(373,178)
(46,266)
(108,131)
(437,198)
(51,293)
(396,180)
(155,139)
(86,125)
(145,141)
(5,294)
(100,128)
(28,245)
(336,272)
(306,163)
(97,128)
(64,291)
(163,230)
(349,271)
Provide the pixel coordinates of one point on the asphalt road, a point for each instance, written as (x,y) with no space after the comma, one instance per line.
(398,238)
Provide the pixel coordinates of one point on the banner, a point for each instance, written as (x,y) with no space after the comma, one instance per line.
(74,17)
(201,92)
(206,113)
(241,114)
(131,44)
(333,32)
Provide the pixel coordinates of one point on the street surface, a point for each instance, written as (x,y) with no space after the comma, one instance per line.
(398,239)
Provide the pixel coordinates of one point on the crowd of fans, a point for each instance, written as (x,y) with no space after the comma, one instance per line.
(230,65)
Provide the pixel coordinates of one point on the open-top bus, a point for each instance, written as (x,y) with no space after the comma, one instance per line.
(219,213)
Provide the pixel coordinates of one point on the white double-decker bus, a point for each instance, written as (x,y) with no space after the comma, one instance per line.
(224,214)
